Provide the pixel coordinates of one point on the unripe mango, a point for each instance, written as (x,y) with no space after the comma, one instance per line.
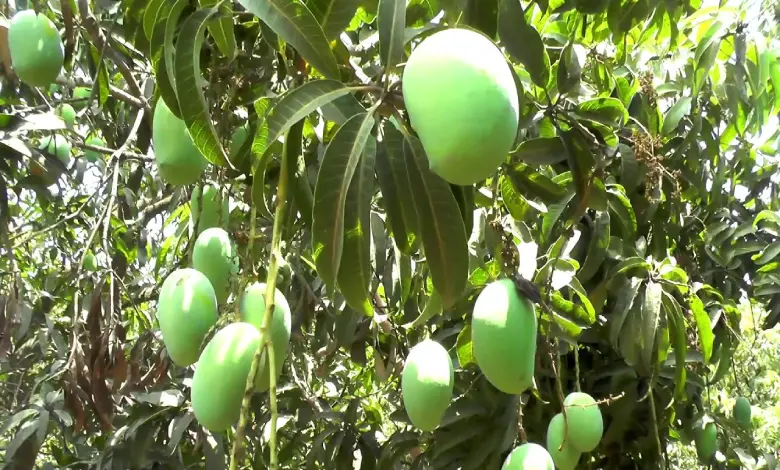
(565,457)
(253,311)
(37,53)
(67,113)
(90,263)
(186,310)
(586,425)
(82,94)
(220,375)
(178,159)
(427,382)
(215,211)
(93,155)
(529,457)
(742,412)
(706,442)
(503,335)
(462,101)
(214,254)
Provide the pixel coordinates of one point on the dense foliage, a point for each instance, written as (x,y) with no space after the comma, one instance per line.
(640,200)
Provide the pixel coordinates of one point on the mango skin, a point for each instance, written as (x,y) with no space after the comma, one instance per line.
(568,457)
(67,113)
(57,145)
(221,374)
(706,441)
(212,215)
(529,457)
(742,412)
(462,101)
(178,159)
(90,263)
(214,255)
(92,155)
(586,425)
(427,382)
(252,309)
(186,310)
(503,334)
(81,92)
(37,53)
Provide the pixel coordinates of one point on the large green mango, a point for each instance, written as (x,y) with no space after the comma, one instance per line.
(503,335)
(221,373)
(529,457)
(565,456)
(253,311)
(37,53)
(178,159)
(214,254)
(427,382)
(586,425)
(186,311)
(462,101)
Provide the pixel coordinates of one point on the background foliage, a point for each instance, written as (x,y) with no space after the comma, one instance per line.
(641,200)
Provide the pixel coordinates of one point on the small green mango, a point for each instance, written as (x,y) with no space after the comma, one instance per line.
(427,382)
(253,311)
(214,254)
(742,412)
(221,373)
(586,425)
(186,311)
(529,456)
(566,457)
(503,335)
(215,211)
(706,442)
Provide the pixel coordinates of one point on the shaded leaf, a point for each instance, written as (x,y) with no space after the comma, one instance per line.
(441,225)
(523,42)
(294,23)
(541,151)
(392,20)
(192,103)
(330,193)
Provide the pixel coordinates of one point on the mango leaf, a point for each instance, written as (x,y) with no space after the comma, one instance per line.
(620,206)
(441,225)
(570,310)
(609,111)
(581,160)
(523,41)
(541,151)
(300,102)
(333,15)
(703,325)
(532,184)
(330,193)
(221,29)
(354,277)
(260,158)
(432,308)
(464,347)
(679,338)
(161,62)
(569,70)
(679,110)
(767,254)
(597,247)
(392,22)
(192,103)
(651,311)
(294,23)
(626,293)
(725,352)
(396,190)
